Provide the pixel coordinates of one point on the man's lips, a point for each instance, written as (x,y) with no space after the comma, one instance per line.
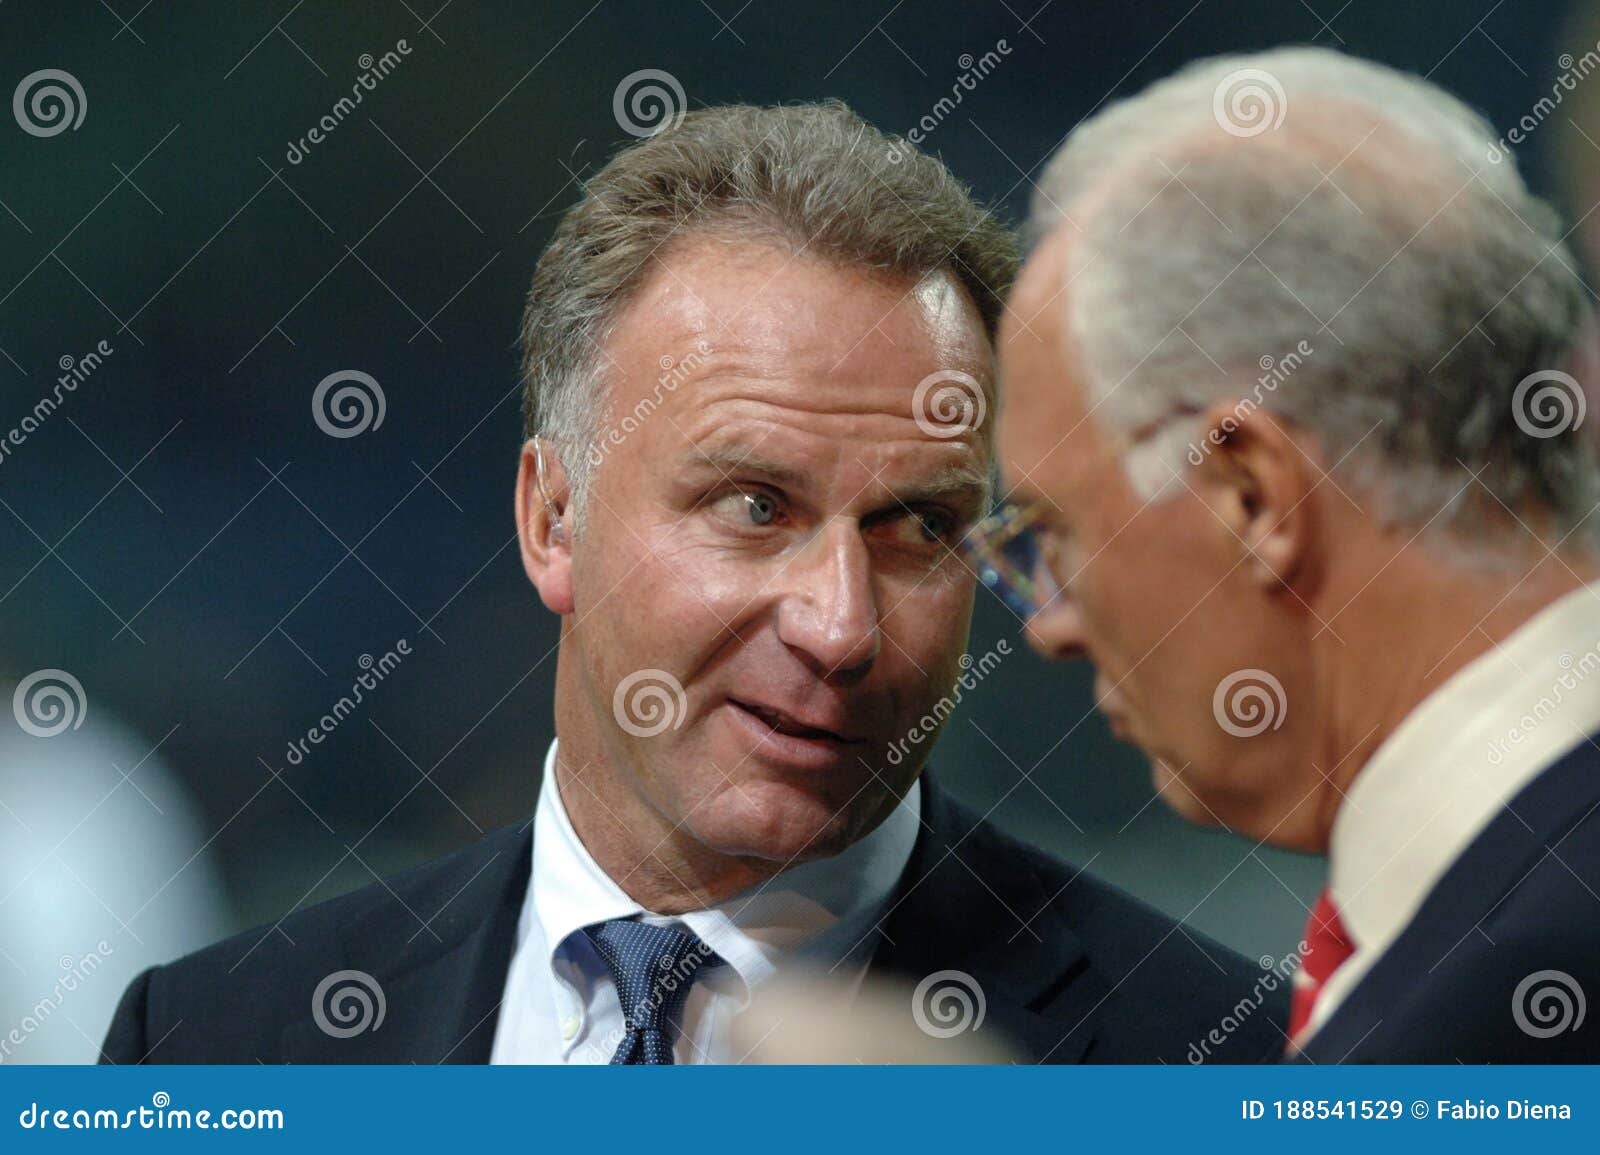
(784,722)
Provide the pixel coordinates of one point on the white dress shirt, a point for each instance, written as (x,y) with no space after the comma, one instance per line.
(560,1004)
(1448,770)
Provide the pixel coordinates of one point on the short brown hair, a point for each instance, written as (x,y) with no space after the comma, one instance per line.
(815,175)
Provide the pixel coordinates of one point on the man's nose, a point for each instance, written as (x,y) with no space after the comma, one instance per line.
(828,613)
(1056,630)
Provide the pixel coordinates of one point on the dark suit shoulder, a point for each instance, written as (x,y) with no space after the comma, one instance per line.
(1177,995)
(1104,976)
(229,1002)
(1512,987)
(1500,959)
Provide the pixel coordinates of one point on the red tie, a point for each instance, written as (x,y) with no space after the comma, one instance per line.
(1327,948)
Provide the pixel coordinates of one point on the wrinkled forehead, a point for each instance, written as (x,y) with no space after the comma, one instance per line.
(765,299)
(759,334)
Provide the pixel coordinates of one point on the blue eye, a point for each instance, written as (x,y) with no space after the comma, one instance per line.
(760,507)
(748,509)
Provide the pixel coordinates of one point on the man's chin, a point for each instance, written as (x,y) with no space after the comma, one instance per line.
(1177,790)
(778,822)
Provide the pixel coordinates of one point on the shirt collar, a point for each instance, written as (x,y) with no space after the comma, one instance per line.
(1457,759)
(821,910)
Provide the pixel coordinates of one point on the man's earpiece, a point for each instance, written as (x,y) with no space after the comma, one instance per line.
(558,528)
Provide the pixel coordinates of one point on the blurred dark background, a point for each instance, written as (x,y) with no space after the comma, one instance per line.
(183,538)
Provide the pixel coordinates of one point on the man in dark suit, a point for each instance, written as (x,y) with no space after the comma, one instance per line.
(1095,977)
(758,357)
(1295,402)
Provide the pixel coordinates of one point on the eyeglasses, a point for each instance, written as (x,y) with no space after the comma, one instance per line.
(1013,558)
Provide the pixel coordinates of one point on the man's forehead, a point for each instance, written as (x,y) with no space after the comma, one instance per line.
(759,298)
(1041,285)
(1045,429)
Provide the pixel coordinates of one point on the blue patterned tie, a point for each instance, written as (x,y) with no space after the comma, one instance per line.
(653,968)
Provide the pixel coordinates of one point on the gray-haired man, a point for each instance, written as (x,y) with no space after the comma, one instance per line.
(758,357)
(1295,409)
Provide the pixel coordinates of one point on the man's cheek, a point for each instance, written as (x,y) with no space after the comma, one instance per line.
(929,641)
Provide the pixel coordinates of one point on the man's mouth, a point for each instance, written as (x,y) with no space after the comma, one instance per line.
(783,722)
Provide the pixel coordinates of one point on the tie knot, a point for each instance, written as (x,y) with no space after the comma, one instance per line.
(652,966)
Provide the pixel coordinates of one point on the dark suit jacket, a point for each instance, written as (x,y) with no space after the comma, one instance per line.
(1523,898)
(1071,969)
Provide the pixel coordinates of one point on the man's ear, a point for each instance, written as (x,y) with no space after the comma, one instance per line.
(544,524)
(1259,478)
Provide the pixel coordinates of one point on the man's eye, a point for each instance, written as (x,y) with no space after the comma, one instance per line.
(935,526)
(923,527)
(747,508)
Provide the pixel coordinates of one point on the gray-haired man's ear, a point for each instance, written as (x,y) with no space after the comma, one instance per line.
(1260,482)
(543,506)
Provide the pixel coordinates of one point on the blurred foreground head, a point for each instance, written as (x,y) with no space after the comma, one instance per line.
(1295,391)
(815,1018)
(758,355)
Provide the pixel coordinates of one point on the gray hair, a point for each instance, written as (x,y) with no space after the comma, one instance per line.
(1355,233)
(816,177)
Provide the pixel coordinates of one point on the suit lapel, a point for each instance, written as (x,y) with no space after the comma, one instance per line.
(1475,884)
(442,985)
(961,906)
(965,905)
